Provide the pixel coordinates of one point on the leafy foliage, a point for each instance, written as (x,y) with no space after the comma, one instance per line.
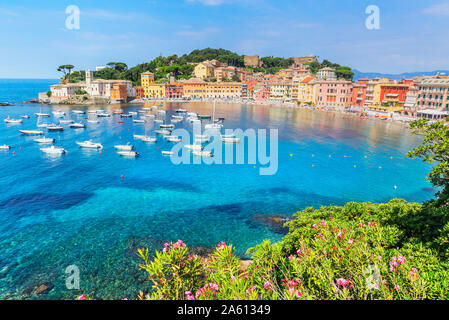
(434,148)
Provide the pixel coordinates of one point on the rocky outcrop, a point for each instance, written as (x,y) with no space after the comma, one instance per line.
(44,288)
(274,222)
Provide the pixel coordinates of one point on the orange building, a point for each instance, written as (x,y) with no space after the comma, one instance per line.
(140,93)
(358,94)
(119,92)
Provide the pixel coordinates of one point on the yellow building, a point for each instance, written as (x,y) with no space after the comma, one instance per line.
(373,88)
(146,79)
(281,91)
(155,90)
(204,70)
(195,89)
(226,90)
(306,90)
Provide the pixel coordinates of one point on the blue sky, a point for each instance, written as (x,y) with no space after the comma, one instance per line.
(34,40)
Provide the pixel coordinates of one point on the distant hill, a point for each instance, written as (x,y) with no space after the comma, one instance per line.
(407,75)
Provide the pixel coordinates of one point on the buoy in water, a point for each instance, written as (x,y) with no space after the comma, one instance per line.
(395,187)
(291,155)
(122,176)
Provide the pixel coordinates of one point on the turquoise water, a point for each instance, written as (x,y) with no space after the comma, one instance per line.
(77,210)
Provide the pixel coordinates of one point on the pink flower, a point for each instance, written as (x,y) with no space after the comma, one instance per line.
(291,257)
(343,282)
(339,234)
(267,285)
(314,226)
(323,222)
(350,241)
(82,297)
(124,299)
(299,252)
(398,288)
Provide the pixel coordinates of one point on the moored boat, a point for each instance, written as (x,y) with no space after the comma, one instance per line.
(32,132)
(53,150)
(124,147)
(13,121)
(203,153)
(67,121)
(163,132)
(89,144)
(5,147)
(167,126)
(196,147)
(54,127)
(149,139)
(40,114)
(167,153)
(132,154)
(44,140)
(77,126)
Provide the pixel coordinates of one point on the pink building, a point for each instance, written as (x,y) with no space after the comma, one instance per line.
(336,94)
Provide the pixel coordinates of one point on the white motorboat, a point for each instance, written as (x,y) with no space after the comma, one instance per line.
(5,147)
(58,113)
(196,147)
(32,132)
(53,150)
(176,120)
(178,117)
(13,121)
(77,126)
(124,147)
(42,125)
(67,121)
(44,140)
(150,116)
(89,144)
(132,154)
(93,121)
(103,115)
(167,153)
(163,132)
(202,139)
(158,121)
(203,153)
(167,126)
(138,137)
(173,139)
(181,110)
(54,127)
(149,139)
(139,121)
(230,140)
(213,126)
(25,116)
(78,111)
(124,115)
(40,114)
(133,113)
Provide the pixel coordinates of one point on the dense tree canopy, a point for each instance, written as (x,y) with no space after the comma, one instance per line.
(434,148)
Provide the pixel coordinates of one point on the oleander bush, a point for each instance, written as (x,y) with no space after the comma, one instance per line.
(359,251)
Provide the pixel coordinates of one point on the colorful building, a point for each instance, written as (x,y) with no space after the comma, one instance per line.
(119,92)
(225,90)
(306,90)
(155,90)
(433,97)
(393,94)
(204,70)
(358,95)
(280,91)
(140,93)
(173,90)
(334,94)
(327,74)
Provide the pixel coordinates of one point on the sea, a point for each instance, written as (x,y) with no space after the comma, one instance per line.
(90,210)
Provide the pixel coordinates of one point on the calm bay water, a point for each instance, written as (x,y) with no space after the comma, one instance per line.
(76,209)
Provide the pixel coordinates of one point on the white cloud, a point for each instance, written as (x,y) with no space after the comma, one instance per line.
(441,9)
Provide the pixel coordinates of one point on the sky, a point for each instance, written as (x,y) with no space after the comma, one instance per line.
(35,40)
